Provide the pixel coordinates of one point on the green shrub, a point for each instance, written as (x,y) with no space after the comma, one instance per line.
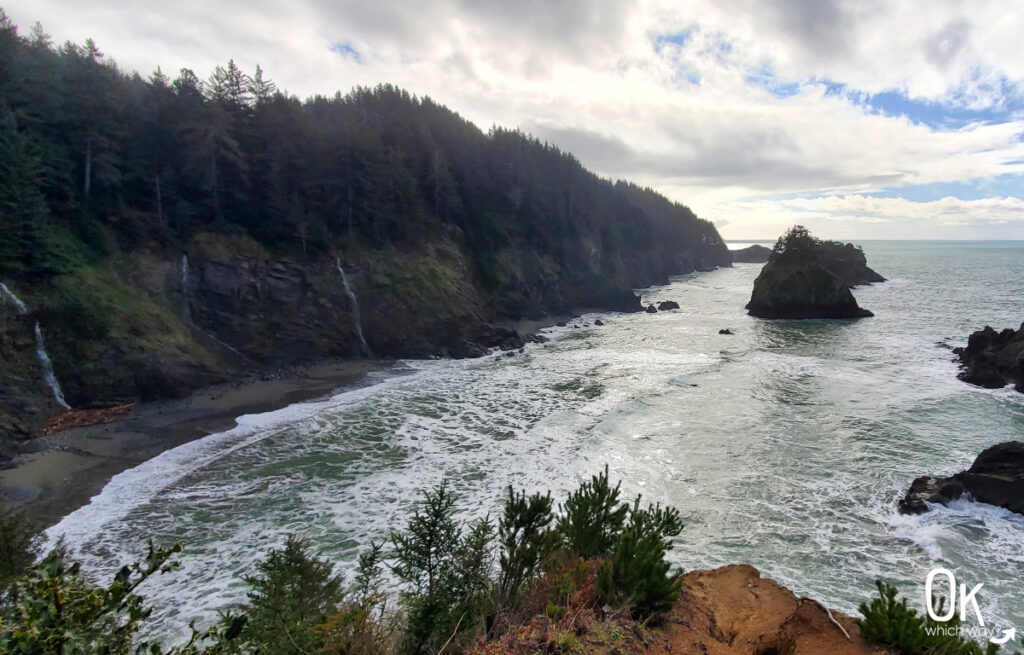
(526,539)
(447,573)
(890,623)
(293,593)
(58,611)
(592,516)
(636,573)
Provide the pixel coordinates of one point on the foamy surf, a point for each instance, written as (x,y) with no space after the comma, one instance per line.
(136,486)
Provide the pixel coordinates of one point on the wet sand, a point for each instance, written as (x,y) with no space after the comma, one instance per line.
(65,470)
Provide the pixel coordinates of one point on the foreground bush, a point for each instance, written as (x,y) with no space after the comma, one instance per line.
(890,623)
(293,593)
(56,610)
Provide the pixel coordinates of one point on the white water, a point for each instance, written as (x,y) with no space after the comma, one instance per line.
(47,366)
(44,359)
(356,317)
(186,312)
(15,300)
(785,444)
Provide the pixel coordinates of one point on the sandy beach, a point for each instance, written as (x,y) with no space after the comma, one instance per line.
(63,471)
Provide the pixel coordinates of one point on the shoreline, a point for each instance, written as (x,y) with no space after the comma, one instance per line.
(64,471)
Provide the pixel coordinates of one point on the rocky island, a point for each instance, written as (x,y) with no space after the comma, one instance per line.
(755,254)
(809,278)
(996,477)
(993,359)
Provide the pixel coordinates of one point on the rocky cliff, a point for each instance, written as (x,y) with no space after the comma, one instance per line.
(156,324)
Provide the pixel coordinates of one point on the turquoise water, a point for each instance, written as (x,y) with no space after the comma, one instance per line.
(785,445)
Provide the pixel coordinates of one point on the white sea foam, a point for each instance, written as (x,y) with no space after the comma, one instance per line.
(134,487)
(784,445)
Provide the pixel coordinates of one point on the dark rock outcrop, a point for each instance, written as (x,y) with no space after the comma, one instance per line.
(996,477)
(725,331)
(808,278)
(993,359)
(755,254)
(848,262)
(667,304)
(804,289)
(651,309)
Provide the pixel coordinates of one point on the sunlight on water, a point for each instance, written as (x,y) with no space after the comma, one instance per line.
(784,445)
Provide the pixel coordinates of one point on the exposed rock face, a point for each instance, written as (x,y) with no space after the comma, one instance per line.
(734,611)
(996,477)
(667,304)
(811,279)
(159,325)
(804,289)
(25,400)
(755,254)
(994,359)
(848,262)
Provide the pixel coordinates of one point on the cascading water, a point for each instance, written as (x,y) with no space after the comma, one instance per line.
(356,318)
(44,358)
(47,366)
(15,300)
(186,312)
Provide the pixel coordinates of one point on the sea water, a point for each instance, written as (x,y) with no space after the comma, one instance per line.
(784,445)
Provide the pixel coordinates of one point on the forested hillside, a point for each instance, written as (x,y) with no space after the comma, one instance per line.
(168,232)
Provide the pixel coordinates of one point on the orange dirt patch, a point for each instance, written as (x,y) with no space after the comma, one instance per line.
(77,418)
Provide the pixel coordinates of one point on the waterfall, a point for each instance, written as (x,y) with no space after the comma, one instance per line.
(186,312)
(47,366)
(356,318)
(44,359)
(15,300)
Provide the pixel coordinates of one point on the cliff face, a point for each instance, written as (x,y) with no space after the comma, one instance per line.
(154,324)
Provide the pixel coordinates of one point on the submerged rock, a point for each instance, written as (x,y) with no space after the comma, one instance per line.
(725,331)
(808,278)
(667,304)
(994,359)
(996,477)
(755,254)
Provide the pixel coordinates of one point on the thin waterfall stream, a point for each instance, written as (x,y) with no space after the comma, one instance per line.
(356,317)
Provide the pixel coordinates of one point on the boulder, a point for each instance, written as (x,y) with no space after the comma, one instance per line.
(993,359)
(996,477)
(725,331)
(667,304)
(651,309)
(598,322)
(755,254)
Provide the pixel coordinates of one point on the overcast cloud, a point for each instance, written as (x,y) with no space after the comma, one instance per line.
(860,119)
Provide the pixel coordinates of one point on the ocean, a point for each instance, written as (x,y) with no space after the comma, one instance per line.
(784,445)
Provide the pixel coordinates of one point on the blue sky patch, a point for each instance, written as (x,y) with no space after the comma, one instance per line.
(347,50)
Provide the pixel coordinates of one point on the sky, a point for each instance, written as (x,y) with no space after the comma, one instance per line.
(861,120)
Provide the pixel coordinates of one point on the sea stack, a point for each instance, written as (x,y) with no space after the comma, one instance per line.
(994,359)
(809,278)
(755,254)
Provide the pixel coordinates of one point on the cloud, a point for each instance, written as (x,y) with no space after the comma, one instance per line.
(716,104)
